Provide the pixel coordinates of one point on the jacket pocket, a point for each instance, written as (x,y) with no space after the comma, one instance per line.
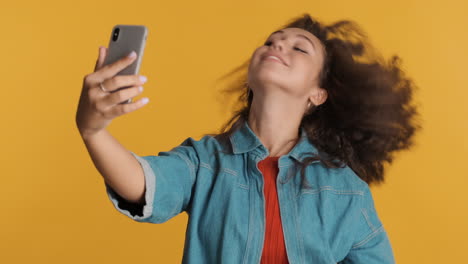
(224,220)
(327,218)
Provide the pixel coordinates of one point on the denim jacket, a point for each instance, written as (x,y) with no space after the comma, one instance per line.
(220,187)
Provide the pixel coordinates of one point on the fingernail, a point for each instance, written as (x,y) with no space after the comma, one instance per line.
(143,78)
(132,54)
(140,88)
(145,100)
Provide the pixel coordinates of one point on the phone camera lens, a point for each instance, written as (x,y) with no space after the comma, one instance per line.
(115,35)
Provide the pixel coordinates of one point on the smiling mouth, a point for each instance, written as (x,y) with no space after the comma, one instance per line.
(269,58)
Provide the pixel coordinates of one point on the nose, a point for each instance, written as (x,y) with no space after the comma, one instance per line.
(278,44)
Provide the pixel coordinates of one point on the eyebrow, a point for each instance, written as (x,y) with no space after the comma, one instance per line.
(297,35)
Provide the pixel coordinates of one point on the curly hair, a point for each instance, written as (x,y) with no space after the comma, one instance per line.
(369,113)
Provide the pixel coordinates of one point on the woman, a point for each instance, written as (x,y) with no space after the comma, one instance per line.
(289,181)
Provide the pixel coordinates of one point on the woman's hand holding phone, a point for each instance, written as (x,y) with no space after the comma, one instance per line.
(96,107)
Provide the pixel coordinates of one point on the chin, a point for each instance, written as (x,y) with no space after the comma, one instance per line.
(269,76)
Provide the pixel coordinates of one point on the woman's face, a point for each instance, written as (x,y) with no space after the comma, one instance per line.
(302,57)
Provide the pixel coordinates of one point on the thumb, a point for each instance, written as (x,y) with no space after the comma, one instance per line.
(101,56)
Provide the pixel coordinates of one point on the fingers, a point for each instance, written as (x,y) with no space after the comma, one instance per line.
(101,58)
(120,81)
(112,103)
(130,107)
(108,71)
(112,99)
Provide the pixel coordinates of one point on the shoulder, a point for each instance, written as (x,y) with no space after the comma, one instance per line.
(204,147)
(208,143)
(343,178)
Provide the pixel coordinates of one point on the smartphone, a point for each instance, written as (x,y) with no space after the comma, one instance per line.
(124,39)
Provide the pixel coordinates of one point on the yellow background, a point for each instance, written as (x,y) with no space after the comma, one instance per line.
(54,208)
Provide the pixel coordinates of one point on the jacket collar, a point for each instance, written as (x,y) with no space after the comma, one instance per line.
(245,140)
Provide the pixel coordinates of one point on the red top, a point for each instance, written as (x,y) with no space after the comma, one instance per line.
(274,250)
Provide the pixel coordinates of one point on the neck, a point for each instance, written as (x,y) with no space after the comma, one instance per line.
(276,125)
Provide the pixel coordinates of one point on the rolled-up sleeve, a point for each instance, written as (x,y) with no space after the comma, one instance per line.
(169,178)
(372,245)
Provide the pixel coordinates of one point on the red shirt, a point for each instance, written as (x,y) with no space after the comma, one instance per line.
(274,250)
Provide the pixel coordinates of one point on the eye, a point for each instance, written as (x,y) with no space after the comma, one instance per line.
(300,49)
(268,43)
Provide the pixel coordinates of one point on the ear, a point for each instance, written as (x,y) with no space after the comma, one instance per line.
(319,96)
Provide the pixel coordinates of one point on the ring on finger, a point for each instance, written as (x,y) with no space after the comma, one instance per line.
(102,87)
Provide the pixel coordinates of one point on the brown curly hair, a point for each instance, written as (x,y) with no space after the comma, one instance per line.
(368,114)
